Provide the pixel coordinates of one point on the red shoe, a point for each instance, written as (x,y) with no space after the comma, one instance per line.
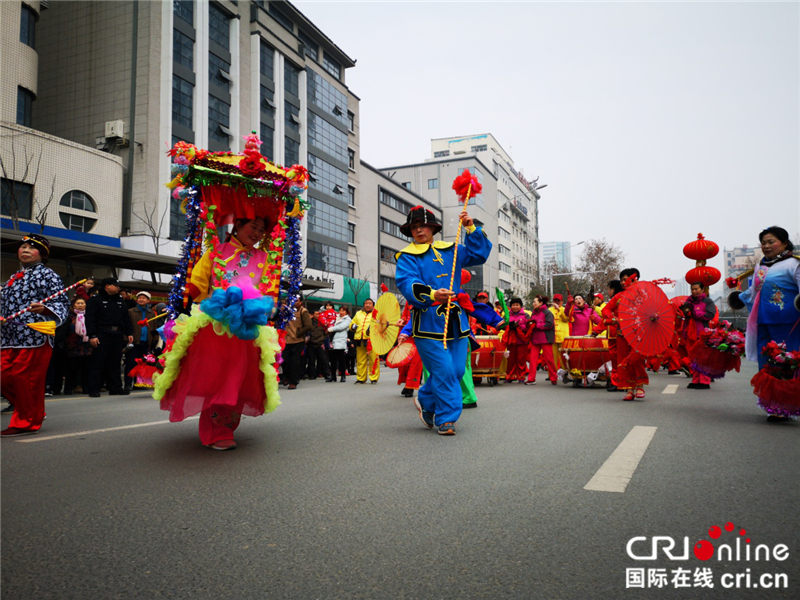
(223,445)
(629,395)
(640,393)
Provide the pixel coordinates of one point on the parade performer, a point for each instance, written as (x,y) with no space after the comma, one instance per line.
(630,367)
(541,330)
(367,362)
(611,328)
(409,375)
(698,310)
(26,349)
(422,269)
(773,300)
(581,316)
(561,324)
(221,360)
(516,342)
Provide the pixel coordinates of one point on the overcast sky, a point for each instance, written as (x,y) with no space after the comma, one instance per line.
(650,122)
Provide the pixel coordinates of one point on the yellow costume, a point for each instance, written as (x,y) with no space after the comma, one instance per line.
(366,362)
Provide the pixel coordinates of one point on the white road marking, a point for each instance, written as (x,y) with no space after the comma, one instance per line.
(617,471)
(30,440)
(670,389)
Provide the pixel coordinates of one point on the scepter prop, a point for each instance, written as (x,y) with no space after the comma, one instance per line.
(463,185)
(41,327)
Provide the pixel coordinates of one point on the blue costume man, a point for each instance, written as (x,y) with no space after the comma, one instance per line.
(423,273)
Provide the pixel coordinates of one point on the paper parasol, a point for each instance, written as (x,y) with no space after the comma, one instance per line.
(401,355)
(383,331)
(646,318)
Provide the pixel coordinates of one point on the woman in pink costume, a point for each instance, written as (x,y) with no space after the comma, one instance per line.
(581,316)
(542,333)
(222,358)
(516,340)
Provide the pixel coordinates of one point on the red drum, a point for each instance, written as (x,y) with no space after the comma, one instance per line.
(486,360)
(585,353)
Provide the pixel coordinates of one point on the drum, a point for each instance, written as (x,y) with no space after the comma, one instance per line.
(486,360)
(585,353)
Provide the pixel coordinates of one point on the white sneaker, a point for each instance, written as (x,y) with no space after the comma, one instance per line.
(530,383)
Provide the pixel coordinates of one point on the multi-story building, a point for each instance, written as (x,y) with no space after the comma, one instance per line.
(557,253)
(507,208)
(740,259)
(123,81)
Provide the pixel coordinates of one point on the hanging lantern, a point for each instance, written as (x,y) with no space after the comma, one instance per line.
(701,249)
(705,275)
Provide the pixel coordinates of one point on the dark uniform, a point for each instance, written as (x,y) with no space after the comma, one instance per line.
(108,320)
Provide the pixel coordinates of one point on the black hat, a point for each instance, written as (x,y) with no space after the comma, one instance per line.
(109,281)
(41,243)
(419,213)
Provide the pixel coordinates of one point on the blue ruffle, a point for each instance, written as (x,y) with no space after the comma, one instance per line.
(242,317)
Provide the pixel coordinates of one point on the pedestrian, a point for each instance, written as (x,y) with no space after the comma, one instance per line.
(125,294)
(144,336)
(516,342)
(24,351)
(317,355)
(108,325)
(339,342)
(581,316)
(698,310)
(57,369)
(422,269)
(367,362)
(296,330)
(541,330)
(78,349)
(561,327)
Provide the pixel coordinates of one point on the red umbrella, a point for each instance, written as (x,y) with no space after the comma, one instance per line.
(646,318)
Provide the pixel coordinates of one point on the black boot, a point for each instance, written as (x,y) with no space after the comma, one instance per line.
(342,380)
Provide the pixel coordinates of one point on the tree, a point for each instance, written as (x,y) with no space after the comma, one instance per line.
(18,193)
(154,227)
(601,261)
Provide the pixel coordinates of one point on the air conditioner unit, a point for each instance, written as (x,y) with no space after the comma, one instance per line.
(115,128)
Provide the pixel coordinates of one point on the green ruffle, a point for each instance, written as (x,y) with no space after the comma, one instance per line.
(187,328)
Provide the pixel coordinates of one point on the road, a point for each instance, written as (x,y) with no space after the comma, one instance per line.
(341,493)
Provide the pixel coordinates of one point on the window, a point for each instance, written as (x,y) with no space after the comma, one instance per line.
(504,217)
(433,184)
(291,152)
(266,62)
(219,120)
(326,137)
(392,229)
(504,250)
(390,283)
(310,47)
(219,29)
(219,71)
(351,121)
(351,158)
(481,148)
(24,107)
(280,17)
(328,258)
(479,198)
(326,176)
(352,227)
(328,220)
(291,115)
(184,9)
(267,104)
(322,93)
(503,233)
(17,199)
(351,268)
(331,66)
(441,154)
(267,140)
(27,26)
(182,101)
(406,185)
(505,268)
(394,202)
(388,254)
(182,49)
(351,196)
(291,79)
(78,212)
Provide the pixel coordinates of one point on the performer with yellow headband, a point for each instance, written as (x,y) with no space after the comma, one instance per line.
(25,350)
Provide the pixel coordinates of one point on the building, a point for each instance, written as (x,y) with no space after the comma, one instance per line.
(507,208)
(557,253)
(740,259)
(121,82)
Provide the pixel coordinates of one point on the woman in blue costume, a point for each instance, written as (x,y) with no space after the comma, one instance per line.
(423,269)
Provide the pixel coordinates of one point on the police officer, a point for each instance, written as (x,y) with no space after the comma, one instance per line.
(109,328)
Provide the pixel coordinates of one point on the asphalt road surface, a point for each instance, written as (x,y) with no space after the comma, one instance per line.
(342,493)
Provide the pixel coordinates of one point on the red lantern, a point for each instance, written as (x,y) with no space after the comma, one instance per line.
(705,275)
(700,249)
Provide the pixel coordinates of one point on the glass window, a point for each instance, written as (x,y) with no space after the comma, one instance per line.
(351,121)
(291,79)
(310,47)
(331,66)
(327,258)
(393,201)
(441,154)
(406,185)
(291,151)
(17,199)
(266,62)
(351,269)
(184,9)
(392,229)
(351,158)
(433,184)
(505,268)
(219,71)
(479,198)
(219,28)
(351,195)
(481,148)
(291,115)
(182,102)
(24,107)
(352,238)
(280,17)
(328,220)
(388,254)
(391,283)
(177,220)
(503,233)
(182,49)
(505,250)
(326,137)
(79,200)
(219,121)
(267,103)
(267,140)
(322,93)
(27,26)
(327,177)
(76,222)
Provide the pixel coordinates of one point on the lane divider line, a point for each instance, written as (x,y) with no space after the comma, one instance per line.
(30,440)
(616,472)
(670,389)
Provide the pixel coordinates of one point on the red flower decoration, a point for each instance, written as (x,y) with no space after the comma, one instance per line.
(732,282)
(462,183)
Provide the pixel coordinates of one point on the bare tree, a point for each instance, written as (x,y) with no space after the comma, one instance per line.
(603,256)
(42,207)
(154,226)
(17,203)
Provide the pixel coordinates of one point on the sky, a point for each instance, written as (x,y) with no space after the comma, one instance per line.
(649,122)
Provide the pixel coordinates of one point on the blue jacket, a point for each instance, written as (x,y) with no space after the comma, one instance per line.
(779,286)
(424,268)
